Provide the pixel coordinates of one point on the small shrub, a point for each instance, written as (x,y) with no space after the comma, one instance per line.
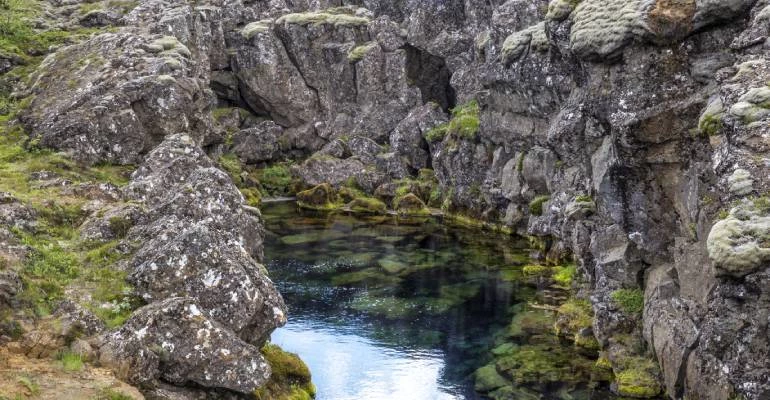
(631,301)
(120,226)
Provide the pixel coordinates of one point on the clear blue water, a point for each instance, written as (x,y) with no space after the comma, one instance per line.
(380,310)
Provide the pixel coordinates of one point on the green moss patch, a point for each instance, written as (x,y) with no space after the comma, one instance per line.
(536,205)
(464,124)
(320,197)
(367,205)
(631,301)
(290,379)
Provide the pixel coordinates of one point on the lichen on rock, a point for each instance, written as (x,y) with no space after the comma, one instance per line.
(738,244)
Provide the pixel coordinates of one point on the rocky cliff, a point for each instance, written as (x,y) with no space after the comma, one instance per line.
(631,135)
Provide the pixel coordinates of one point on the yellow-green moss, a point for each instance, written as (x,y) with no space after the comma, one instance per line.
(536,205)
(358,53)
(464,124)
(574,315)
(537,270)
(319,197)
(637,382)
(367,205)
(564,275)
(290,379)
(631,301)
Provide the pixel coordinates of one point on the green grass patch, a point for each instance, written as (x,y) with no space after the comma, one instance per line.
(111,394)
(71,362)
(631,301)
(29,383)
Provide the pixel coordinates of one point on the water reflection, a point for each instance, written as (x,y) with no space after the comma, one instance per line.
(348,366)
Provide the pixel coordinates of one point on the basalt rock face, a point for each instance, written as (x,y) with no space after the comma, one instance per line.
(638,128)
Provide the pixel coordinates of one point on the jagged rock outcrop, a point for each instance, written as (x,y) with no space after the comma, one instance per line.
(211,305)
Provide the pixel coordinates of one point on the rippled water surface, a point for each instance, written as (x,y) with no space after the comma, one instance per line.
(380,310)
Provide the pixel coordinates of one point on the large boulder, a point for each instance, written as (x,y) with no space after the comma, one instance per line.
(174,341)
(130,91)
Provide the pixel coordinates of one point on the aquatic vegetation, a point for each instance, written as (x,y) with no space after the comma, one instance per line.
(405,294)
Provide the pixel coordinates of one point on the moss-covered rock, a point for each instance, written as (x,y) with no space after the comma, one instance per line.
(710,121)
(518,43)
(392,266)
(367,205)
(488,379)
(358,52)
(290,379)
(320,197)
(740,243)
(410,204)
(536,205)
(573,317)
(559,10)
(338,17)
(637,383)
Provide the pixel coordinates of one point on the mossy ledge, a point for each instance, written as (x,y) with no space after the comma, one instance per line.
(290,379)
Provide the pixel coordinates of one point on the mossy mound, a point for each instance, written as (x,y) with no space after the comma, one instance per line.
(574,316)
(637,383)
(488,379)
(738,244)
(367,205)
(320,197)
(290,379)
(410,204)
(463,125)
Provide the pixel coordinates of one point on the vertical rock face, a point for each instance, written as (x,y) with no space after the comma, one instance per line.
(638,128)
